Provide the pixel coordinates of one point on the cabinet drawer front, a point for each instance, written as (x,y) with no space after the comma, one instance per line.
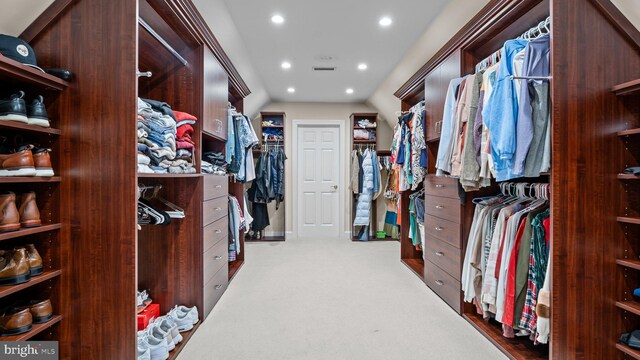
(215,232)
(445,256)
(215,209)
(216,127)
(215,186)
(443,208)
(214,259)
(444,230)
(214,289)
(441,186)
(444,285)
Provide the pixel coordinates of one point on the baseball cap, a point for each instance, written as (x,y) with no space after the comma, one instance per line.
(18,50)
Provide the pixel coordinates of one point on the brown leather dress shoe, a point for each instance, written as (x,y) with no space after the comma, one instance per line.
(41,310)
(17,164)
(15,322)
(42,161)
(35,261)
(29,213)
(16,269)
(9,215)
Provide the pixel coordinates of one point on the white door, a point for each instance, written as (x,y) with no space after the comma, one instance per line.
(318,179)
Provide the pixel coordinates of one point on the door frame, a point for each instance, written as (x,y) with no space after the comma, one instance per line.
(342,178)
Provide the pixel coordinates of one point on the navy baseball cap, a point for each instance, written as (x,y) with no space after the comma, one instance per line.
(18,50)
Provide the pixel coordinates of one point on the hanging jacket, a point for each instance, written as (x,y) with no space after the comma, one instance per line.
(363,207)
(377,177)
(354,183)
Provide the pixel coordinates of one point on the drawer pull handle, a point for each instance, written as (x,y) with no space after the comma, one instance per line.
(218,231)
(218,209)
(439,186)
(439,253)
(218,287)
(439,207)
(439,282)
(218,186)
(438,228)
(217,257)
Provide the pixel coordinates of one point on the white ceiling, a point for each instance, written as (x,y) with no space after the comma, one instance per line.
(345,29)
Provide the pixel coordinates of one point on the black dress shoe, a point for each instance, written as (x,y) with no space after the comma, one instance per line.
(14,108)
(37,112)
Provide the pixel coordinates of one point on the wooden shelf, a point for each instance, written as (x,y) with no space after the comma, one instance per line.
(364,141)
(627,88)
(210,136)
(416,265)
(629,351)
(630,306)
(234,266)
(13,71)
(431,141)
(628,177)
(10,289)
(266,239)
(186,336)
(272,126)
(35,330)
(517,348)
(15,125)
(29,179)
(629,132)
(628,220)
(170,176)
(633,264)
(29,231)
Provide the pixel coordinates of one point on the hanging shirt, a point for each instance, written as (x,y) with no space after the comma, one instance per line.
(447,128)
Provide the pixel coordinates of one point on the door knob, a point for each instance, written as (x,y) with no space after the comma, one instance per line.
(335,187)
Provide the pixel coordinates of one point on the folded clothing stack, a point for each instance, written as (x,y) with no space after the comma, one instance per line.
(160,139)
(366,124)
(359,134)
(270,134)
(215,163)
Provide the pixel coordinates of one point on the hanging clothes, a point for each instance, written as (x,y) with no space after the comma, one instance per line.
(241,137)
(237,224)
(268,185)
(363,207)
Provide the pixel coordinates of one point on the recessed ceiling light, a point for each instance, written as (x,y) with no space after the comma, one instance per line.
(349,91)
(291,90)
(385,21)
(286,65)
(362,66)
(277,19)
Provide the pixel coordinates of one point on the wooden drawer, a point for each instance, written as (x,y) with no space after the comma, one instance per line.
(215,186)
(214,259)
(215,209)
(444,230)
(443,284)
(445,256)
(441,186)
(443,208)
(215,232)
(214,289)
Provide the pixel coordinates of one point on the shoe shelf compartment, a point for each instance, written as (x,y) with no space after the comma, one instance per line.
(35,330)
(29,179)
(628,88)
(15,125)
(47,275)
(185,339)
(630,306)
(29,231)
(14,72)
(629,351)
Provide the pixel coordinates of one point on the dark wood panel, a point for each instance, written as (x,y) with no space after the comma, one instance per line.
(215,232)
(443,229)
(443,284)
(215,186)
(215,97)
(215,209)
(434,108)
(442,186)
(443,208)
(443,255)
(214,259)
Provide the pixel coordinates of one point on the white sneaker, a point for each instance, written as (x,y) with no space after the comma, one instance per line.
(154,330)
(183,320)
(157,348)
(167,324)
(192,312)
(144,352)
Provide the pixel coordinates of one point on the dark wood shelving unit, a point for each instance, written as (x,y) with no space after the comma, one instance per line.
(29,231)
(29,179)
(633,264)
(186,336)
(630,306)
(234,266)
(170,176)
(10,289)
(628,88)
(13,71)
(364,141)
(629,132)
(628,220)
(211,136)
(35,330)
(629,351)
(15,125)
(416,265)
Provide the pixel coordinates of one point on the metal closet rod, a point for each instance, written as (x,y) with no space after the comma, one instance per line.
(162,41)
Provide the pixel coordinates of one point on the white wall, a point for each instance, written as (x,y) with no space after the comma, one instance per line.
(631,8)
(317,111)
(17,15)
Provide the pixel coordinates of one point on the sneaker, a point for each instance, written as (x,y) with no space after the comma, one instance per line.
(168,325)
(158,349)
(182,320)
(144,352)
(42,162)
(192,312)
(14,108)
(154,330)
(142,301)
(19,163)
(37,113)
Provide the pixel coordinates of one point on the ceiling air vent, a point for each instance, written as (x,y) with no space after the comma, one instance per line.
(324,68)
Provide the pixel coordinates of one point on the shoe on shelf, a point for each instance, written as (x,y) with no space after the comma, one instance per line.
(191,311)
(41,310)
(19,163)
(42,162)
(168,325)
(16,269)
(154,330)
(14,108)
(158,349)
(142,301)
(37,112)
(9,215)
(29,213)
(15,322)
(35,261)
(184,320)
(144,352)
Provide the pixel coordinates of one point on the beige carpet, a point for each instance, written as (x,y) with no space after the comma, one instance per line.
(333,300)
